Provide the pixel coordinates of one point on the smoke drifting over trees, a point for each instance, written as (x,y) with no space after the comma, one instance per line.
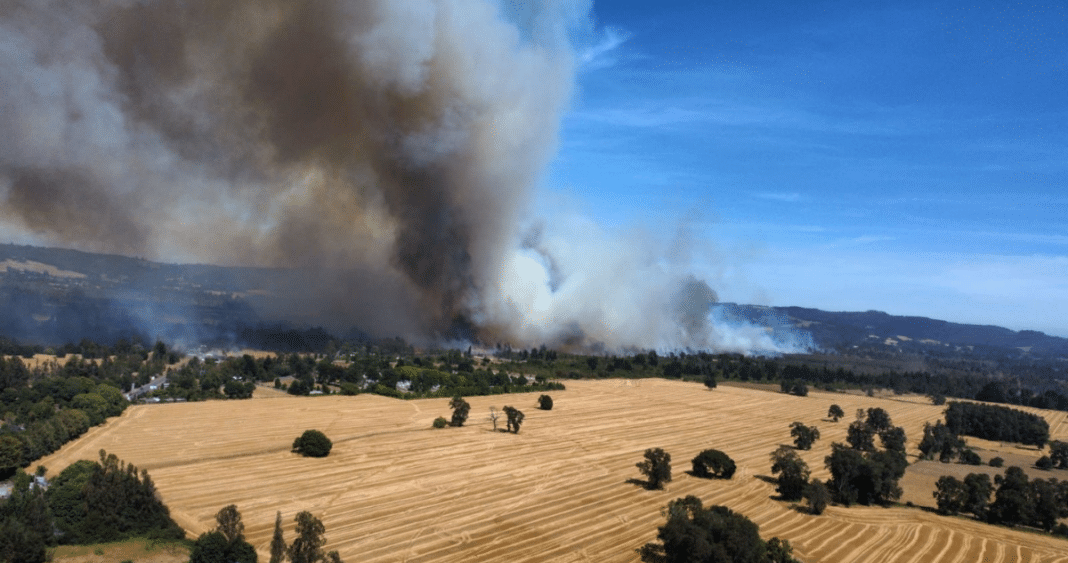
(387,150)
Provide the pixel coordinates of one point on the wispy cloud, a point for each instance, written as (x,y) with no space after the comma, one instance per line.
(604,52)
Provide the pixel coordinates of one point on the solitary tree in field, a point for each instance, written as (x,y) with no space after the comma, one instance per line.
(713,463)
(312,443)
(460,408)
(545,403)
(656,467)
(835,412)
(515,418)
(494,415)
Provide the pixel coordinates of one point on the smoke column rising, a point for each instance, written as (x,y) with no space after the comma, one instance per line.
(385,149)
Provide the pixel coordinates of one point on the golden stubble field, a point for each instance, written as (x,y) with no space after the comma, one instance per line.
(394,489)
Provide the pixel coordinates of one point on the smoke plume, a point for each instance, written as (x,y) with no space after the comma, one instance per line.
(386,150)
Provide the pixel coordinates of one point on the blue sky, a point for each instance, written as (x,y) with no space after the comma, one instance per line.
(910,157)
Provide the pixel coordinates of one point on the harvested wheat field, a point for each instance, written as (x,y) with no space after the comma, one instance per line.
(394,489)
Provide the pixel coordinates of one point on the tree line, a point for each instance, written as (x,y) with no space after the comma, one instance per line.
(992,422)
(88,502)
(1018,500)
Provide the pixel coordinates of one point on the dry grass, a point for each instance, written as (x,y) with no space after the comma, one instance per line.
(394,489)
(139,551)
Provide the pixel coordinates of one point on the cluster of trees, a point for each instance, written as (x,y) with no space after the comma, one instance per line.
(709,464)
(226,543)
(699,534)
(88,502)
(861,473)
(992,422)
(461,408)
(108,500)
(940,440)
(1017,500)
(47,407)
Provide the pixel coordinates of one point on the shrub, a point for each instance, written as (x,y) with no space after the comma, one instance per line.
(545,403)
(969,457)
(440,422)
(996,462)
(1044,463)
(312,443)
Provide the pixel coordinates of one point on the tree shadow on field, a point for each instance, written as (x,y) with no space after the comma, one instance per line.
(768,479)
(771,481)
(642,483)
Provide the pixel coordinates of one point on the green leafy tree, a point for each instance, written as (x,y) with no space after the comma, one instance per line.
(817,496)
(26,524)
(978,488)
(693,533)
(229,524)
(10,454)
(1058,454)
(210,547)
(656,468)
(835,412)
(515,419)
(1012,505)
(950,494)
(792,471)
(878,420)
(312,443)
(969,457)
(860,436)
(865,478)
(713,464)
(804,436)
(1045,503)
(278,541)
(939,440)
(893,439)
(545,403)
(460,409)
(307,547)
(1044,463)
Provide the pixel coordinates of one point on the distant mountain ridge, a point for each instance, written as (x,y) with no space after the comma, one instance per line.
(840,330)
(58,295)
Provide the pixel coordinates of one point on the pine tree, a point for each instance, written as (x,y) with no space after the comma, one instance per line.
(278,542)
